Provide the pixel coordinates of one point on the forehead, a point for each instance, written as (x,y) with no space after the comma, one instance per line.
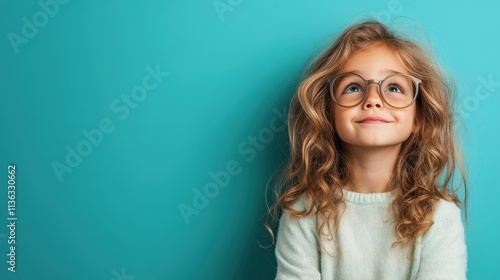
(374,61)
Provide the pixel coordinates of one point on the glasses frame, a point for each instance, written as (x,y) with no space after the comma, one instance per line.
(416,81)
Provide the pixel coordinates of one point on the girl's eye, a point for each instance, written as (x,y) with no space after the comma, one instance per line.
(394,88)
(353,88)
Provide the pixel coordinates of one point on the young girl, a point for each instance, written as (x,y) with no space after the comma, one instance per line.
(368,183)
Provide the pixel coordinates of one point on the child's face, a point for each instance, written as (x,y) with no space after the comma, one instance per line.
(372,63)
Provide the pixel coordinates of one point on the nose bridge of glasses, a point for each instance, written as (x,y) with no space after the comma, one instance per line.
(377,86)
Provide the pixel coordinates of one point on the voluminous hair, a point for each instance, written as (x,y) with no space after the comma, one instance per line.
(318,165)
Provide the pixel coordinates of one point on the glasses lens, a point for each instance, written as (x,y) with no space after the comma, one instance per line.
(398,90)
(348,89)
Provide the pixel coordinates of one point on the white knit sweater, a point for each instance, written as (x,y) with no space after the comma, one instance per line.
(362,245)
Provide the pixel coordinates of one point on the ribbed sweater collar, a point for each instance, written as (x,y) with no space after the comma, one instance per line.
(368,198)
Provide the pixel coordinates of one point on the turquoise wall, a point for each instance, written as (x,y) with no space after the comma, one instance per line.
(117,114)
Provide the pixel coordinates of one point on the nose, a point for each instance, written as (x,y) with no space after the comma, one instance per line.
(373,99)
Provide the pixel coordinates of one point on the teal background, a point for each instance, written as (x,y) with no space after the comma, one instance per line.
(119,208)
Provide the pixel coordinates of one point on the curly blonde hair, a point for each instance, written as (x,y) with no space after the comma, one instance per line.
(318,166)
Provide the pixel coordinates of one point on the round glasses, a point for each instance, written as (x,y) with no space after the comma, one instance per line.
(396,90)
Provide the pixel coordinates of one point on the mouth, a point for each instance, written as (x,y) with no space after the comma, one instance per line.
(373,120)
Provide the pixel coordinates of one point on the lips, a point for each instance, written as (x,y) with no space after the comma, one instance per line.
(373,119)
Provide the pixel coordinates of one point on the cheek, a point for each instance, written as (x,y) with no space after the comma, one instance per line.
(412,116)
(407,122)
(340,121)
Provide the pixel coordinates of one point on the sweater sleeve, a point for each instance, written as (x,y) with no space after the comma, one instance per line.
(444,252)
(296,251)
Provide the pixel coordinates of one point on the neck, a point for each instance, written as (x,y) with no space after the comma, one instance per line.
(372,167)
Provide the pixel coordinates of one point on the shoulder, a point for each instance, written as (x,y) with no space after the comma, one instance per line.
(295,226)
(302,203)
(443,252)
(446,211)
(447,217)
